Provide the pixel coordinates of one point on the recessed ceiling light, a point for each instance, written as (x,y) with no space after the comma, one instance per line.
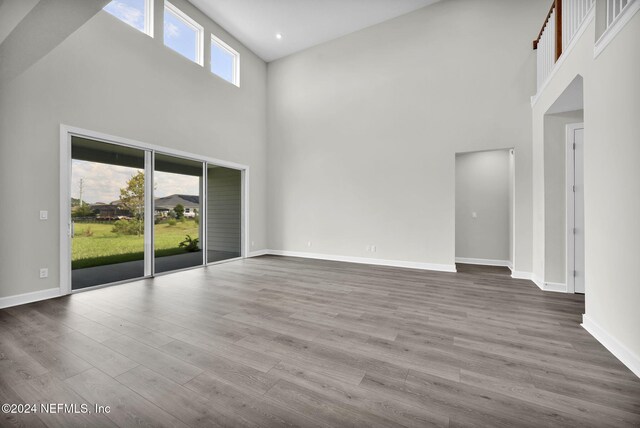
(278,36)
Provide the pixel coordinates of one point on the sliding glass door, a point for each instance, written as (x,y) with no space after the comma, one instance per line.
(178,187)
(136,212)
(107,213)
(224,213)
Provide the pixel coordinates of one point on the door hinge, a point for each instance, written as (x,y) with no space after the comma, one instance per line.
(574,188)
(575,230)
(574,146)
(575,273)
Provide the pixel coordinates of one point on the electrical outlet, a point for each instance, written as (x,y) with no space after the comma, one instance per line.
(44,272)
(44,215)
(309,244)
(373,248)
(253,244)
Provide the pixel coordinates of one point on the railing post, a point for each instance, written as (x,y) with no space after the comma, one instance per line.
(558,7)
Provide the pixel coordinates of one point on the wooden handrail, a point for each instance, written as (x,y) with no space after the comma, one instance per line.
(557,5)
(544,24)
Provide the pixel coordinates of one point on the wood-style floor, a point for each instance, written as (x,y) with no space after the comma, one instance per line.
(275,341)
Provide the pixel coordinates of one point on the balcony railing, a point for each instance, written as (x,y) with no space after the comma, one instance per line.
(574,14)
(615,8)
(558,30)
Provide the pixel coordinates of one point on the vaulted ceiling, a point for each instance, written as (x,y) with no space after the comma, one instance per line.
(301,23)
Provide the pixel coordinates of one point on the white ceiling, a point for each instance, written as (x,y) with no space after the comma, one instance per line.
(302,23)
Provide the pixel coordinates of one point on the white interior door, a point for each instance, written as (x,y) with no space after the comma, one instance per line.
(578,210)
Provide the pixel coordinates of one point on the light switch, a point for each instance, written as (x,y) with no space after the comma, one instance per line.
(44,215)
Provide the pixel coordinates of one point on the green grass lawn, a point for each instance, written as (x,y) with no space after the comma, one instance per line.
(94,244)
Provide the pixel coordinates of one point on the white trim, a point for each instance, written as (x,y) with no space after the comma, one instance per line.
(190,22)
(66,132)
(258,253)
(149,213)
(65,211)
(570,205)
(149,18)
(483,262)
(35,296)
(616,27)
(204,212)
(236,59)
(557,287)
(519,274)
(537,281)
(583,27)
(512,256)
(366,260)
(107,138)
(244,212)
(620,351)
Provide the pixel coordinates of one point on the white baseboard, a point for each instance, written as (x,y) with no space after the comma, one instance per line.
(555,286)
(621,352)
(21,299)
(367,261)
(519,274)
(258,253)
(537,281)
(483,262)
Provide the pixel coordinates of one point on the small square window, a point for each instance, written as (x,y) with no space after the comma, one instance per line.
(225,61)
(183,34)
(137,13)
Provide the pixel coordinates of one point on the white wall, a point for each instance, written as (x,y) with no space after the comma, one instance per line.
(11,13)
(363,130)
(611,180)
(110,78)
(612,189)
(482,188)
(555,196)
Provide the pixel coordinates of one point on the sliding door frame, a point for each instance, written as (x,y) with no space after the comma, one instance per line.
(149,214)
(66,134)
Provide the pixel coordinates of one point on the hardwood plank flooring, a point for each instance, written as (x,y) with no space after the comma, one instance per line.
(278,341)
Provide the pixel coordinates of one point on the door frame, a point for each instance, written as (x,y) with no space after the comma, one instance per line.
(570,204)
(67,132)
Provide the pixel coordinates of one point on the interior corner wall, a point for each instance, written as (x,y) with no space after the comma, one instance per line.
(363,130)
(555,196)
(482,188)
(11,13)
(108,77)
(611,182)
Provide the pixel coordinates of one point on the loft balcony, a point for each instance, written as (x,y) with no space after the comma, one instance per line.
(566,21)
